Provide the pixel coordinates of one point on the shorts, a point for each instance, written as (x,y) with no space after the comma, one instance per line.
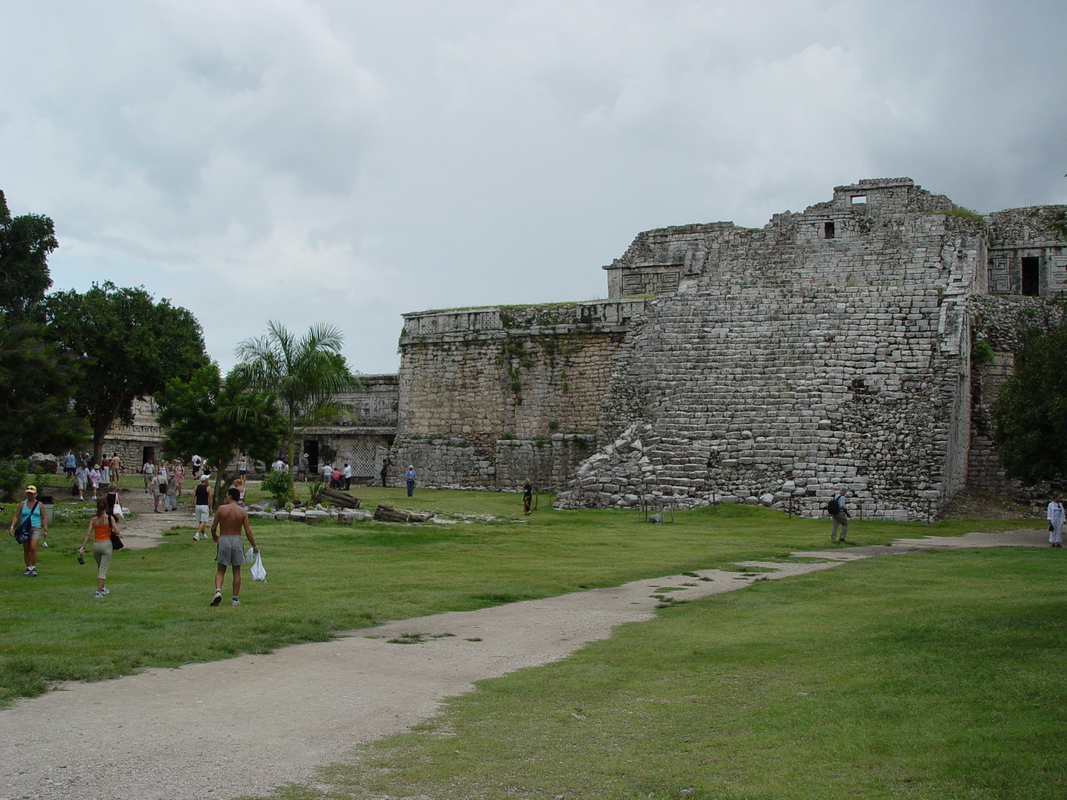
(203,514)
(228,552)
(36,534)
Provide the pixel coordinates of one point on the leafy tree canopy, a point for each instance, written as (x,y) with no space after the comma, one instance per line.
(127,346)
(25,242)
(308,375)
(36,386)
(1030,414)
(218,418)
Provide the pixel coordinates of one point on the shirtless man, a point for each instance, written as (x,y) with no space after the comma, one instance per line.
(226,528)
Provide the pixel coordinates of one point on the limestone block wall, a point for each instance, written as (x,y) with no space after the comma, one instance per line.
(827,348)
(472,378)
(764,396)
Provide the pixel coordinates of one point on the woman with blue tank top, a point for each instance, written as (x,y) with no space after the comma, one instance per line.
(30,507)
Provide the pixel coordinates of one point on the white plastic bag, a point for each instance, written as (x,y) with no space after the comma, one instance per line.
(259,572)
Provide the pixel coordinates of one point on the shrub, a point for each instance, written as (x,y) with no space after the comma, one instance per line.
(12,477)
(278,485)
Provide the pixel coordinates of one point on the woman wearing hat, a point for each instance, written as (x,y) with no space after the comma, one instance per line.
(30,507)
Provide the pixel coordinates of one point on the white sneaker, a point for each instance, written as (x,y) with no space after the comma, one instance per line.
(196,537)
(98,594)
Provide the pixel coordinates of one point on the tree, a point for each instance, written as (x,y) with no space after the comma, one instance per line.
(25,242)
(306,375)
(36,388)
(218,419)
(127,346)
(1030,414)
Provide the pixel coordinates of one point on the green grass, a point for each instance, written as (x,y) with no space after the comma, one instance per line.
(328,578)
(928,676)
(922,676)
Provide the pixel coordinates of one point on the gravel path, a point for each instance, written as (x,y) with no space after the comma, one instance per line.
(248,724)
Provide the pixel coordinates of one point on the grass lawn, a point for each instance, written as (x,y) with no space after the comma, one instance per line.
(929,675)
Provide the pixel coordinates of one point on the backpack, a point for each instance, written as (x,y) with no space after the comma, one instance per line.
(832,506)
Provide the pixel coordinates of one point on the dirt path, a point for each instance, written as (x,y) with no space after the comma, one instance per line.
(251,723)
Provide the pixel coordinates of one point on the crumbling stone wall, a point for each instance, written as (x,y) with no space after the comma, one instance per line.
(801,357)
(474,380)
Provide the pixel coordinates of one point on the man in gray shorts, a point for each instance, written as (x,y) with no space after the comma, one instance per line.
(230,520)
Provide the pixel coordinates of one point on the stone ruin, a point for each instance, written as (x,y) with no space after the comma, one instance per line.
(829,348)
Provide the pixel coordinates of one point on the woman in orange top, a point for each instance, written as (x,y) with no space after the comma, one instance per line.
(100,528)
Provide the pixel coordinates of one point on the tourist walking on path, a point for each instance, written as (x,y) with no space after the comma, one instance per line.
(409,478)
(839,514)
(70,463)
(148,471)
(81,477)
(100,528)
(302,468)
(31,509)
(94,480)
(201,507)
(230,520)
(116,467)
(112,499)
(170,501)
(1054,514)
(159,484)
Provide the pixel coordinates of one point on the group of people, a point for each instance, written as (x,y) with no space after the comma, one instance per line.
(91,476)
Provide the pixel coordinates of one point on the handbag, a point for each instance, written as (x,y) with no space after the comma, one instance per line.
(25,529)
(116,542)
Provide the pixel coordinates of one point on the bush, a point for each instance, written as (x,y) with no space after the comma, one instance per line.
(12,477)
(279,485)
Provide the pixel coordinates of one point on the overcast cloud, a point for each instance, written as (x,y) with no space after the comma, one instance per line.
(346,162)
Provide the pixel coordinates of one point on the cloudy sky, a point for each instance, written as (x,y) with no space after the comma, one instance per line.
(347,161)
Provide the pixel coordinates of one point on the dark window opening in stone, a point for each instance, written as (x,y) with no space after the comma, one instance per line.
(1031,287)
(828,230)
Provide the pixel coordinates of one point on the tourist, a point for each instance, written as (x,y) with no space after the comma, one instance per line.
(112,499)
(302,468)
(116,467)
(170,500)
(1054,514)
(196,463)
(346,473)
(278,465)
(239,484)
(94,479)
(159,486)
(839,515)
(385,472)
(201,507)
(105,472)
(527,498)
(230,521)
(326,471)
(410,477)
(242,467)
(100,528)
(32,509)
(70,463)
(81,478)
(148,473)
(178,471)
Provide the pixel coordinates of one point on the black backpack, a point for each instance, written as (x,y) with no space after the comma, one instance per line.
(832,506)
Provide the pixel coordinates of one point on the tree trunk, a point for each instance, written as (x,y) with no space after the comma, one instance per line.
(387,514)
(336,498)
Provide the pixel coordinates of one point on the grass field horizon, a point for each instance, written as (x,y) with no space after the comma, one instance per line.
(922,676)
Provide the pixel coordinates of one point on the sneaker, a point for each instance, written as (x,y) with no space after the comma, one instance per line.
(33,572)
(196,537)
(235,602)
(105,590)
(98,594)
(27,571)
(216,599)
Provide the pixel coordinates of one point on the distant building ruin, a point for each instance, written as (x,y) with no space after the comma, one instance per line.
(829,348)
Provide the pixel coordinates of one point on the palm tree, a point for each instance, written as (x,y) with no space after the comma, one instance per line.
(307,376)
